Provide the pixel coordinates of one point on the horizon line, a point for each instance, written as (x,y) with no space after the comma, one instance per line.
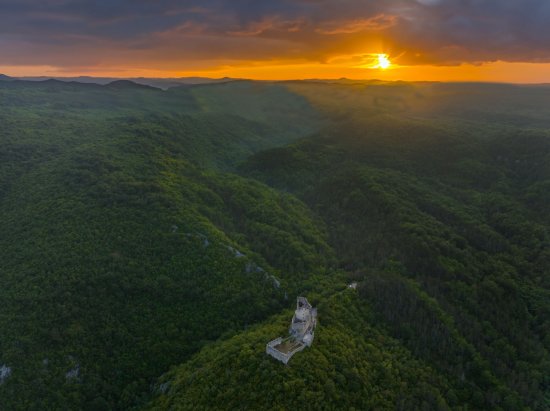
(230,79)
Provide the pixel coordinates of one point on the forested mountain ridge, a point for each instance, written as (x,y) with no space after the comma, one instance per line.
(142,229)
(460,210)
(120,254)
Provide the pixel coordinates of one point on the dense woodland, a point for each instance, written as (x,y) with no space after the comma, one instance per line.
(152,242)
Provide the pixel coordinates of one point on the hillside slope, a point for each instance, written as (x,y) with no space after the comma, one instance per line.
(351,365)
(150,234)
(459,210)
(121,254)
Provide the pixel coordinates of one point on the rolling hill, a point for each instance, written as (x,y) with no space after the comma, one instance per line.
(152,241)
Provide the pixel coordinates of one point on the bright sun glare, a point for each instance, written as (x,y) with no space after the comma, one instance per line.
(383,62)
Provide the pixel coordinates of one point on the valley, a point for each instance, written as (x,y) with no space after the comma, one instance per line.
(153,241)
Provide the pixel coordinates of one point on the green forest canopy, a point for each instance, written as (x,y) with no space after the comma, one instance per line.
(153,241)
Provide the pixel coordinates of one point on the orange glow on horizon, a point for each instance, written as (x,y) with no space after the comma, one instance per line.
(382,69)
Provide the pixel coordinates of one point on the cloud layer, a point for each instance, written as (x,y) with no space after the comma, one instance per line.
(166,34)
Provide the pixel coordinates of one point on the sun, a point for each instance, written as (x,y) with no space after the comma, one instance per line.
(383,61)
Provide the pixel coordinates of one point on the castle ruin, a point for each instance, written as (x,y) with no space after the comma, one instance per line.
(302,331)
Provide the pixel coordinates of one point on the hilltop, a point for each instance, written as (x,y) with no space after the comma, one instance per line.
(162,83)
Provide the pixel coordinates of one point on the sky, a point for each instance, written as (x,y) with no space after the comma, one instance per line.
(433,40)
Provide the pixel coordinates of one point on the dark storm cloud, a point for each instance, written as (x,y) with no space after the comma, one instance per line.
(480,30)
(82,32)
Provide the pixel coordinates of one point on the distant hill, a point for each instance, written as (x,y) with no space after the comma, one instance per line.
(3,77)
(127,84)
(166,83)
(163,83)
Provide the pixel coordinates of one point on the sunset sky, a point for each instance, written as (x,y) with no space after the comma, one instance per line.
(457,40)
